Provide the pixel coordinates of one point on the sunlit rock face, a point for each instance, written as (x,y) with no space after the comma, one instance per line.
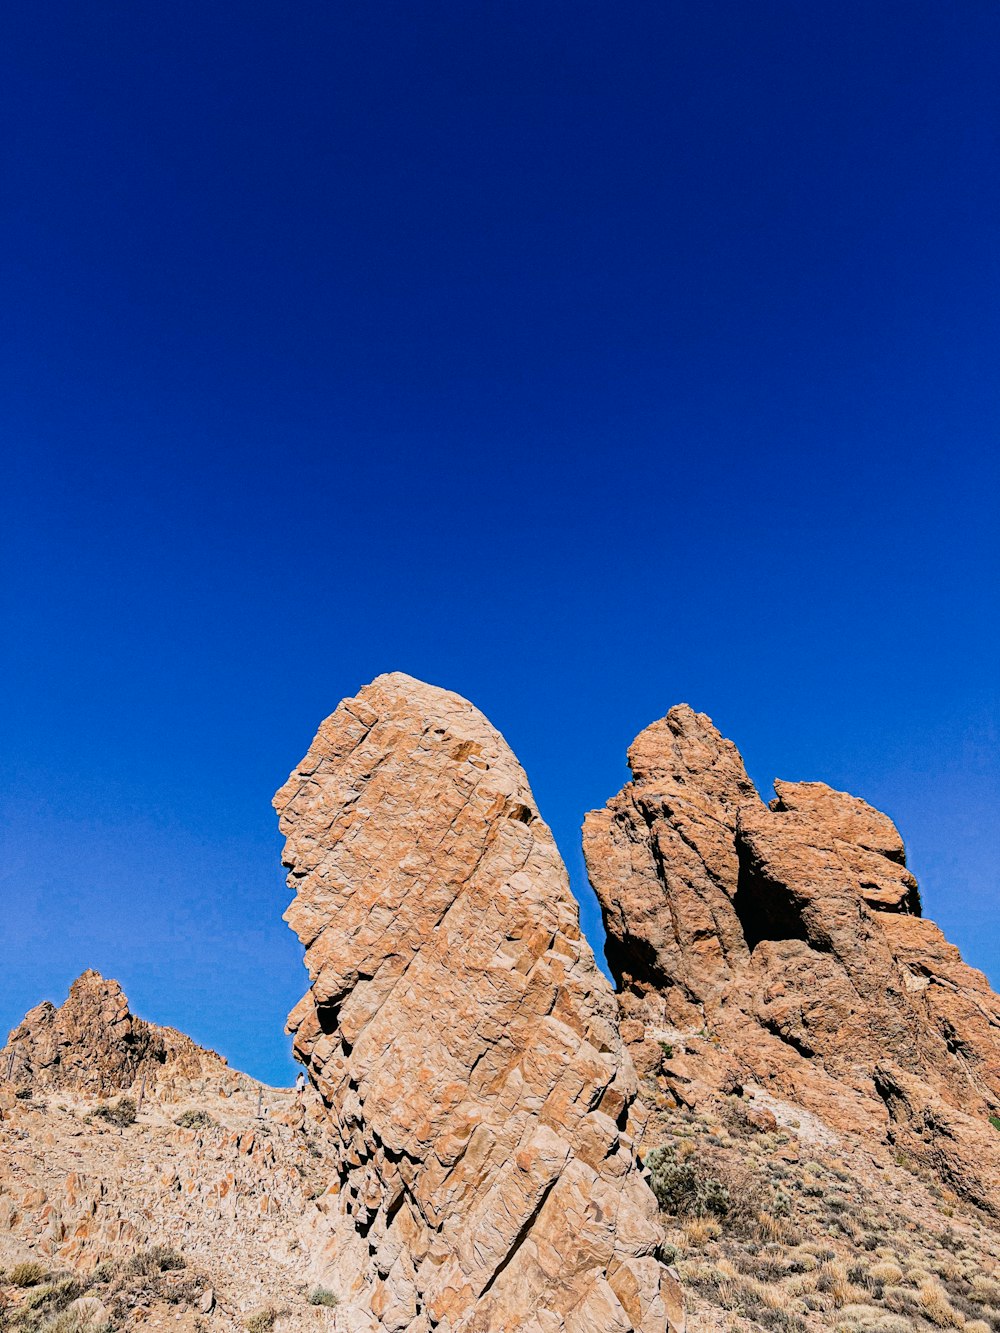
(461,1035)
(93,1043)
(783,944)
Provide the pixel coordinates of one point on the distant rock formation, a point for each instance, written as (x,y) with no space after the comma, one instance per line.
(95,1044)
(461,1036)
(784,944)
(225,1176)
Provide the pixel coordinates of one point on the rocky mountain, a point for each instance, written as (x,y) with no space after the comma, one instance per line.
(791,933)
(94,1043)
(145,1182)
(786,1116)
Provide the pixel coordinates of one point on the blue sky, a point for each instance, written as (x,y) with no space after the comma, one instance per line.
(580,358)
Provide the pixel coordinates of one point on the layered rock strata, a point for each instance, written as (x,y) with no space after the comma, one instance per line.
(784,944)
(461,1036)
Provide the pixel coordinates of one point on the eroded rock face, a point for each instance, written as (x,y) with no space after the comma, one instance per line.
(461,1035)
(662,860)
(784,944)
(94,1043)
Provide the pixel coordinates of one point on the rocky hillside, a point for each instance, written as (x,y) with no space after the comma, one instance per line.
(787,1117)
(145,1184)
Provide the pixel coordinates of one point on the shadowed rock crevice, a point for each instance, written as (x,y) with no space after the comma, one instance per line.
(766,909)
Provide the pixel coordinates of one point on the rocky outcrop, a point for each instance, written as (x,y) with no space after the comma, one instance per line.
(784,944)
(226,1176)
(94,1043)
(461,1036)
(662,860)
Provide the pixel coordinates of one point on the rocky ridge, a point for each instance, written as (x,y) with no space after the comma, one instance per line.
(797,1068)
(783,945)
(124,1145)
(94,1043)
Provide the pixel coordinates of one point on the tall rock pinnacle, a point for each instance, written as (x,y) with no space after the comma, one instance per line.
(461,1035)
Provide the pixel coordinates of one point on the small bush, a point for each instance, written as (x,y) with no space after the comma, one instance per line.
(196,1119)
(157,1259)
(68,1322)
(122,1114)
(26,1275)
(681,1189)
(323,1296)
(935,1306)
(995,1121)
(262,1321)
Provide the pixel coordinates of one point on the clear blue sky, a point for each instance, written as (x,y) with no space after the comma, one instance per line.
(582,358)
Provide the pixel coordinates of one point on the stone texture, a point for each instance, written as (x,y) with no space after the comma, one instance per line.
(94,1043)
(784,945)
(461,1036)
(666,841)
(229,1173)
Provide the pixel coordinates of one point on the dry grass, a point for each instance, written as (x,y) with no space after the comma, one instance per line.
(934,1305)
(886,1273)
(697,1231)
(814,1245)
(26,1275)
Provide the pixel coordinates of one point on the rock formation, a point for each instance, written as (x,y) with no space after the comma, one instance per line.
(461,1036)
(784,944)
(227,1176)
(94,1043)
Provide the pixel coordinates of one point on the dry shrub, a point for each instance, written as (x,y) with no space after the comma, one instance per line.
(858,1316)
(985,1289)
(698,1231)
(886,1273)
(771,1229)
(195,1119)
(832,1279)
(916,1275)
(262,1321)
(935,1306)
(28,1274)
(157,1259)
(122,1114)
(901,1300)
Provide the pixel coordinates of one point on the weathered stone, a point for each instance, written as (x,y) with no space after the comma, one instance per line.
(792,934)
(89,1313)
(461,1035)
(668,838)
(94,1043)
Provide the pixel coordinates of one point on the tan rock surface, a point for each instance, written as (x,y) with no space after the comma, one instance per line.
(461,1035)
(813,974)
(94,1043)
(662,860)
(237,1189)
